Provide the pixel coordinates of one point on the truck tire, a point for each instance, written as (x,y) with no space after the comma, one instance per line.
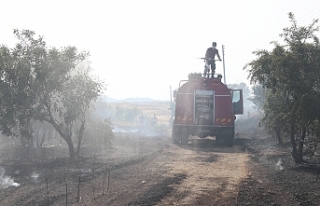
(175,140)
(225,141)
(219,140)
(229,141)
(184,140)
(175,137)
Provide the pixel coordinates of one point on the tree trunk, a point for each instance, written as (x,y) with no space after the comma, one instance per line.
(294,152)
(300,145)
(278,132)
(80,136)
(71,147)
(64,136)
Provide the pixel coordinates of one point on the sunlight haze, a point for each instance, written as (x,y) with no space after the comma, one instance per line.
(140,48)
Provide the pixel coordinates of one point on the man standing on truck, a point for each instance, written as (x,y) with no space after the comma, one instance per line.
(210,58)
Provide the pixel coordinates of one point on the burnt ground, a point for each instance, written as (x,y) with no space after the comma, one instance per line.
(150,170)
(274,178)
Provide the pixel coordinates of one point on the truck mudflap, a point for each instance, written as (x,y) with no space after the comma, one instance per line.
(202,131)
(224,135)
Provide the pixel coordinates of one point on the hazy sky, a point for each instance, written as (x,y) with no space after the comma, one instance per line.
(142,47)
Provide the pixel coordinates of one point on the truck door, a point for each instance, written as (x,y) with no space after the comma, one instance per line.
(237,101)
(204,107)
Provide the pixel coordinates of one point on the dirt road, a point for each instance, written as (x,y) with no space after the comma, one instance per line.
(211,176)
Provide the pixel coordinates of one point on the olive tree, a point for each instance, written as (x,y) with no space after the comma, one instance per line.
(44,84)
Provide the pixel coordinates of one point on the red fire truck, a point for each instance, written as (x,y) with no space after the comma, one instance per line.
(205,107)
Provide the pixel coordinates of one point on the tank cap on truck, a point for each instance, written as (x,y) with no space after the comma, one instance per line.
(194,76)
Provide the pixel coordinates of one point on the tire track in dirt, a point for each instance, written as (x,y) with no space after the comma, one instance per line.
(212,177)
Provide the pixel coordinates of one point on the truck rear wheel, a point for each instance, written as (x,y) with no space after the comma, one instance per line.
(219,140)
(175,137)
(184,140)
(179,136)
(226,141)
(175,140)
(229,141)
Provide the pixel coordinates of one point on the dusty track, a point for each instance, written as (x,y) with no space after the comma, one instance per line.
(212,176)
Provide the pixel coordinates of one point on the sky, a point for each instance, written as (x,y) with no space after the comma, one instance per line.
(141,48)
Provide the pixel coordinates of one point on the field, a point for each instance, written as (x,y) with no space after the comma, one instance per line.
(144,169)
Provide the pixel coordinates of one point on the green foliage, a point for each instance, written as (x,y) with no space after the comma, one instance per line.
(290,73)
(44,84)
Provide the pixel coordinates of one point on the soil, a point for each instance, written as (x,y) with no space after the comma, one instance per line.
(150,170)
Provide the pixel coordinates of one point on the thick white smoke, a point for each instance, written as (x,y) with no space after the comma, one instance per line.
(6,181)
(278,165)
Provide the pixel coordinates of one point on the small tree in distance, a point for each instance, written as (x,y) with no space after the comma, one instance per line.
(44,84)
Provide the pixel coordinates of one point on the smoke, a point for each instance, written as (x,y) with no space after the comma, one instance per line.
(6,181)
(35,176)
(278,165)
(124,130)
(145,130)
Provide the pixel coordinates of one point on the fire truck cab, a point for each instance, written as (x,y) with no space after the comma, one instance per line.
(205,107)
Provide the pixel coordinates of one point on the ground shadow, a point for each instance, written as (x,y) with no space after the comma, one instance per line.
(314,169)
(211,145)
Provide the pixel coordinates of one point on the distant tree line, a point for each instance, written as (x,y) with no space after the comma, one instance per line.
(117,112)
(287,85)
